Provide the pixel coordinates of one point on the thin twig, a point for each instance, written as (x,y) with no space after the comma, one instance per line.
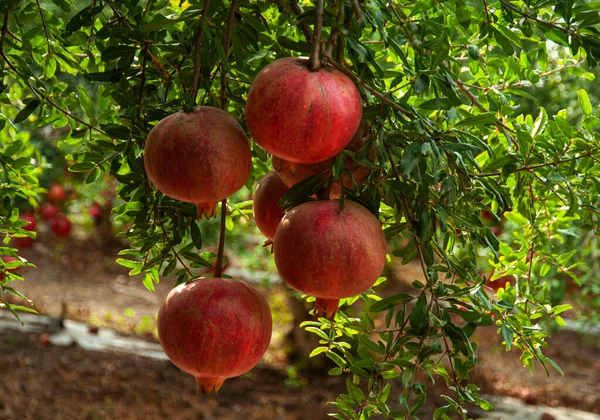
(356,10)
(4,30)
(142,80)
(297,10)
(334,33)
(372,90)
(475,101)
(44,25)
(226,42)
(541,165)
(314,60)
(196,58)
(220,251)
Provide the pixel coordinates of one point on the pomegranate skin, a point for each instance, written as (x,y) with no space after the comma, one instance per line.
(300,115)
(327,254)
(200,157)
(267,213)
(214,328)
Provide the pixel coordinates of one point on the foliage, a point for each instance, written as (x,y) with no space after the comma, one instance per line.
(442,83)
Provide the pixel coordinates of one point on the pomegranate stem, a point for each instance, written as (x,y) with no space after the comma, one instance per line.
(219,265)
(314,61)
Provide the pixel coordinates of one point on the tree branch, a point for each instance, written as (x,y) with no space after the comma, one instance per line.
(475,101)
(196,58)
(142,80)
(356,10)
(297,10)
(314,59)
(541,165)
(226,42)
(334,33)
(372,90)
(220,251)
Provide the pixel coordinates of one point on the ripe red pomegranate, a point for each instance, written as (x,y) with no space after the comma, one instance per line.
(56,193)
(95,210)
(200,157)
(61,226)
(292,173)
(24,242)
(266,211)
(301,115)
(214,329)
(30,217)
(49,211)
(329,254)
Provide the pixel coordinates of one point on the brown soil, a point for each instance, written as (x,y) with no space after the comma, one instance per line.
(45,382)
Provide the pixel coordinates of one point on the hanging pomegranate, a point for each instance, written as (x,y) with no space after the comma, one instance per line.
(267,213)
(327,253)
(214,329)
(300,115)
(200,157)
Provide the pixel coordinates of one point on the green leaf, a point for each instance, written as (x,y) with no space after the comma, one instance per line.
(82,167)
(584,102)
(507,336)
(421,84)
(418,315)
(504,42)
(86,102)
(391,301)
(117,51)
(196,235)
(483,118)
(27,111)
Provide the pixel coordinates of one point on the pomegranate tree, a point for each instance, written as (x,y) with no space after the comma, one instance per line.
(200,157)
(327,253)
(61,226)
(301,115)
(214,329)
(267,213)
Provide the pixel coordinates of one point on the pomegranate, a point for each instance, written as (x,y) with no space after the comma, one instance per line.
(214,329)
(61,226)
(292,173)
(200,157)
(95,211)
(30,217)
(329,254)
(49,211)
(56,193)
(266,211)
(24,242)
(301,115)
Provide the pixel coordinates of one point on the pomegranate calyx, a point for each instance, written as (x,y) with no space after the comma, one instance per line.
(209,210)
(207,386)
(326,307)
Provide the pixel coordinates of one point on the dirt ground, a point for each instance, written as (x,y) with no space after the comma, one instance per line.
(39,381)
